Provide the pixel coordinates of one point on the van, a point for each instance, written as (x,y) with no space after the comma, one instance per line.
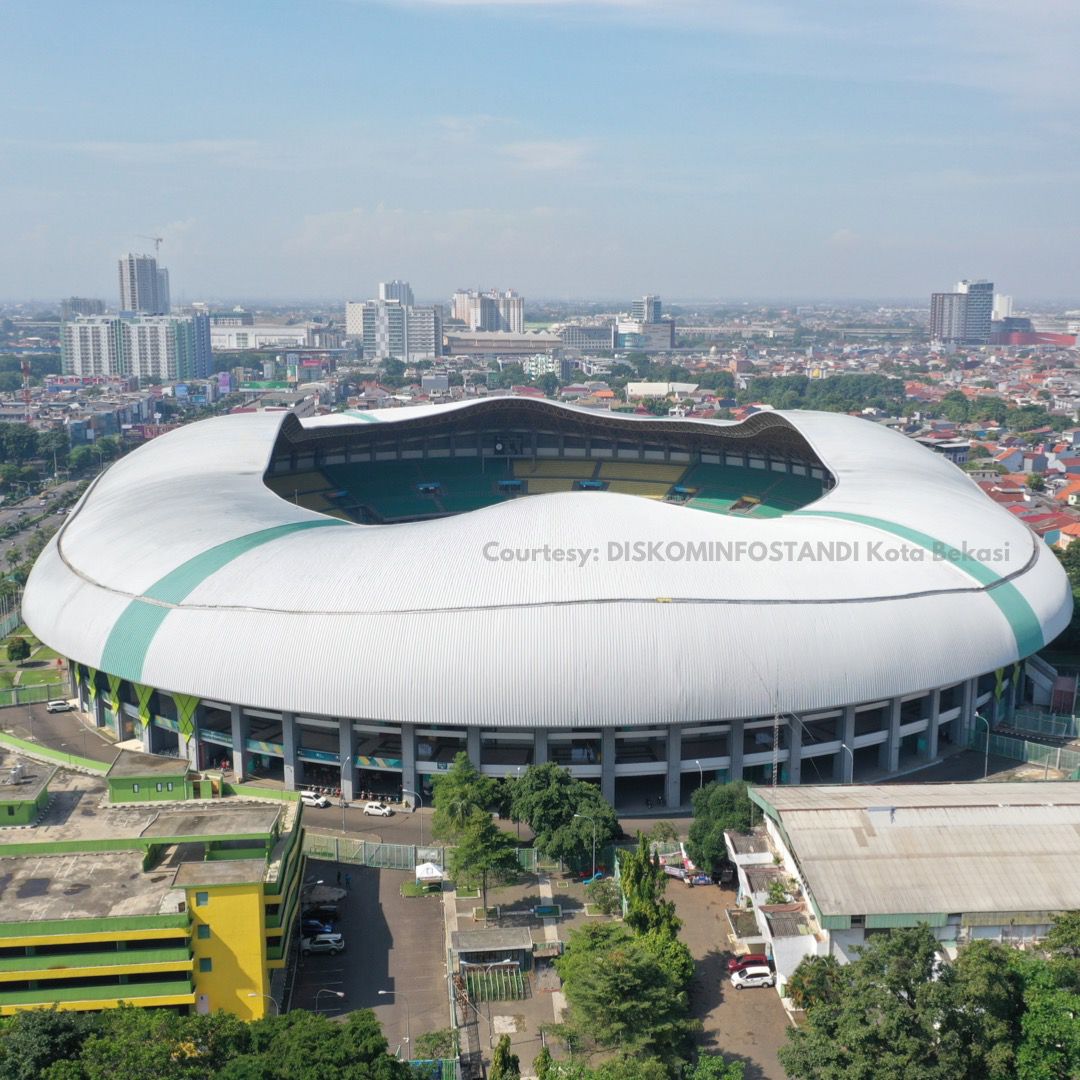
(313,798)
(59,706)
(753,976)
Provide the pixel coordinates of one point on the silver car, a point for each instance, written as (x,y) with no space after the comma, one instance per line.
(324,943)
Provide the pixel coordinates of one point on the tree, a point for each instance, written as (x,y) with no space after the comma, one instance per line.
(1036,482)
(605,896)
(547,797)
(460,792)
(644,883)
(504,1064)
(18,650)
(718,808)
(32,1039)
(484,854)
(713,1067)
(434,1045)
(815,980)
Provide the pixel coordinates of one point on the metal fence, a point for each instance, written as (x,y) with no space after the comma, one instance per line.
(1055,724)
(30,695)
(349,849)
(1051,757)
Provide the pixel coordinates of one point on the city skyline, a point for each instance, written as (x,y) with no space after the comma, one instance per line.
(733,150)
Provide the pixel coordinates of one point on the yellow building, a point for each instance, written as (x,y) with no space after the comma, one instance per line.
(188,902)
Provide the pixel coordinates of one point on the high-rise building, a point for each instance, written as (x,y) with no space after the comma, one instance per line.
(647,310)
(964,315)
(81,305)
(388,328)
(491,310)
(396,290)
(144,286)
(165,347)
(1003,307)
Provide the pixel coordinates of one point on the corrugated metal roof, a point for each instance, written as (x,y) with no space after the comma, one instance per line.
(412,621)
(952,848)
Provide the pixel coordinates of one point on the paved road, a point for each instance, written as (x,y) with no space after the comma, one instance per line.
(61,731)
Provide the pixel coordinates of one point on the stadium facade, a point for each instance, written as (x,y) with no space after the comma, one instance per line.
(356,598)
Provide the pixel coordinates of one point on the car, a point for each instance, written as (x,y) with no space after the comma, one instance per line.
(753,976)
(737,963)
(379,809)
(698,879)
(58,706)
(313,798)
(312,927)
(322,943)
(325,913)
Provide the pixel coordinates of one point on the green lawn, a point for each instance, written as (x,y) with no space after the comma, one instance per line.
(45,653)
(31,677)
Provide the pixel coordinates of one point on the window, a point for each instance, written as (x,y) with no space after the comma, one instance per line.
(203,932)
(134,789)
(11,811)
(857,921)
(202,899)
(168,786)
(159,785)
(206,964)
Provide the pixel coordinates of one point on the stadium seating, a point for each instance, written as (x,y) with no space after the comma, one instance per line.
(639,487)
(641,470)
(541,467)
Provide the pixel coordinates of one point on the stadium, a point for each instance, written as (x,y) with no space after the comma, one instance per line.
(353,599)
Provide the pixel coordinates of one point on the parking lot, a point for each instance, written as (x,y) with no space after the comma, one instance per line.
(392,944)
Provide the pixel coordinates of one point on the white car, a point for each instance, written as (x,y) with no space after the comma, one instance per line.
(379,809)
(313,798)
(58,706)
(753,976)
(324,943)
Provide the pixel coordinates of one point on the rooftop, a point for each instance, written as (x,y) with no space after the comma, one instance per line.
(216,819)
(221,872)
(132,765)
(934,848)
(491,940)
(35,776)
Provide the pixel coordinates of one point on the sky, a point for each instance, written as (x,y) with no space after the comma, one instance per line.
(699,149)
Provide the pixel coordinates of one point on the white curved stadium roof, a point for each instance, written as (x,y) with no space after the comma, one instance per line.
(180,569)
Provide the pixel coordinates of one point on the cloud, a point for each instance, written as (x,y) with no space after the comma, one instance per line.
(213,151)
(547,155)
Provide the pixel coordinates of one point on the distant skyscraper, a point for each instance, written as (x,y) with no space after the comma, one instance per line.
(964,315)
(396,290)
(1003,307)
(80,305)
(388,328)
(647,310)
(491,310)
(144,286)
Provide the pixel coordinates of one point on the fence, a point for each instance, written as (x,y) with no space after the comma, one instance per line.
(29,695)
(1051,757)
(1057,725)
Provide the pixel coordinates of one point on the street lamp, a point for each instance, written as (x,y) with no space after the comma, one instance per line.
(700,774)
(851,753)
(408,1016)
(416,796)
(277,1007)
(589,817)
(318,993)
(986,756)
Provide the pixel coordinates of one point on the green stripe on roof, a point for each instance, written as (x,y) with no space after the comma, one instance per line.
(129,640)
(1024,623)
(361,415)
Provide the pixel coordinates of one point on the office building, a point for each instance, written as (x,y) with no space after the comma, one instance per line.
(1003,307)
(80,305)
(144,286)
(647,310)
(164,347)
(389,328)
(963,316)
(587,338)
(400,291)
(489,311)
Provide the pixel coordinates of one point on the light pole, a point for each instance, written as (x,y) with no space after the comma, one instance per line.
(517,821)
(986,756)
(277,1007)
(319,993)
(700,774)
(408,1017)
(851,754)
(589,817)
(416,796)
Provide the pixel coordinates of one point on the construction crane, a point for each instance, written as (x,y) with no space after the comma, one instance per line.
(158,241)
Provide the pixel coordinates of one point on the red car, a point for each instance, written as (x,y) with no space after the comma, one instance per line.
(737,963)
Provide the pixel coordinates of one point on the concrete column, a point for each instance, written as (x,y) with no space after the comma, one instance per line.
(930,750)
(473,745)
(540,746)
(288,744)
(240,727)
(843,763)
(889,750)
(607,764)
(99,711)
(73,683)
(673,781)
(735,750)
(794,765)
(967,710)
(347,757)
(1010,707)
(80,693)
(147,735)
(191,746)
(409,777)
